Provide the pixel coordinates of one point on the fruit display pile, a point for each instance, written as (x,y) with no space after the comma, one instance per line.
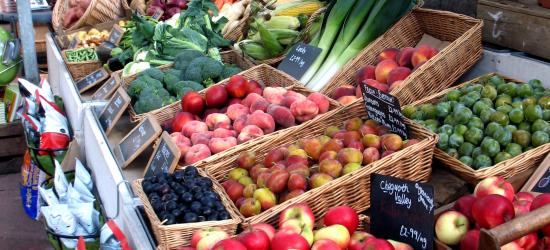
(339,230)
(287,172)
(493,203)
(237,112)
(184,197)
(393,66)
(485,123)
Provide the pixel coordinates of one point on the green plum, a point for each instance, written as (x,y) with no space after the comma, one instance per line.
(460,129)
(502,156)
(452,152)
(455,140)
(476,122)
(466,149)
(482,161)
(533,113)
(490,146)
(524,90)
(500,118)
(446,128)
(443,109)
(474,135)
(516,115)
(489,91)
(443,142)
(540,125)
(522,137)
(513,149)
(492,128)
(539,138)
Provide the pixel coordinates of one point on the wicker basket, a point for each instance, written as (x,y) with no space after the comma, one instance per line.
(505,169)
(80,69)
(439,72)
(178,235)
(412,163)
(98,11)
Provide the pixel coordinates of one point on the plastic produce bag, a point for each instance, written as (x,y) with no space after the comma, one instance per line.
(31,178)
(55,133)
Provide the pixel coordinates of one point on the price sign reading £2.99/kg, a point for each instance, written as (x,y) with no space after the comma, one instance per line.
(385,109)
(299,59)
(402,210)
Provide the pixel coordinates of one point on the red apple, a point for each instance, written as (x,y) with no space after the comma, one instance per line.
(358,240)
(528,242)
(470,241)
(289,241)
(450,227)
(343,215)
(192,102)
(464,206)
(494,185)
(229,244)
(524,196)
(538,202)
(216,96)
(378,244)
(511,246)
(298,211)
(400,245)
(325,245)
(522,207)
(206,240)
(492,210)
(237,86)
(254,239)
(268,229)
(181,119)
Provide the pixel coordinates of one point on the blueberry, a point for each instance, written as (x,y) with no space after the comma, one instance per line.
(206,211)
(190,217)
(212,216)
(177,212)
(205,182)
(167,197)
(196,207)
(191,171)
(223,215)
(187,197)
(179,176)
(171,205)
(157,206)
(219,206)
(202,218)
(197,196)
(170,219)
(208,202)
(196,189)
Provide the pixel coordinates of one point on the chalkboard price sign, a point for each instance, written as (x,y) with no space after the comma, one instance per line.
(158,14)
(74,43)
(114,110)
(299,59)
(402,210)
(165,157)
(543,185)
(539,181)
(138,140)
(107,89)
(116,35)
(91,80)
(385,109)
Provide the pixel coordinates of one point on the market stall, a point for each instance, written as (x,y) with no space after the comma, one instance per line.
(283,125)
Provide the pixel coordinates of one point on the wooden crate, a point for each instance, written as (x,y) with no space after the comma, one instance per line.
(524,26)
(12,139)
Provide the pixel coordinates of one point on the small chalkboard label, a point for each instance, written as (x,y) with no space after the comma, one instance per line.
(543,185)
(138,140)
(114,110)
(165,157)
(299,59)
(402,210)
(385,109)
(116,35)
(91,80)
(539,181)
(74,42)
(158,14)
(107,89)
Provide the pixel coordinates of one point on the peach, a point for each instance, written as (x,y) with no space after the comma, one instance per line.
(240,123)
(378,85)
(291,97)
(250,207)
(246,160)
(277,181)
(372,140)
(237,173)
(223,133)
(291,194)
(387,153)
(275,95)
(304,110)
(333,145)
(251,98)
(319,179)
(297,182)
(351,136)
(220,144)
(383,70)
(388,54)
(349,155)
(260,104)
(331,167)
(282,115)
(254,87)
(262,120)
(183,143)
(201,138)
(217,120)
(370,155)
(192,127)
(299,168)
(331,130)
(233,189)
(266,198)
(257,170)
(350,167)
(249,189)
(196,153)
(367,72)
(367,130)
(297,152)
(344,90)
(321,101)
(395,84)
(296,159)
(274,156)
(313,148)
(328,155)
(410,142)
(404,57)
(237,110)
(398,74)
(357,145)
(422,54)
(347,100)
(353,124)
(248,133)
(392,142)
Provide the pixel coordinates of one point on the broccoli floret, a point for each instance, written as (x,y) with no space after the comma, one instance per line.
(172,75)
(229,70)
(182,87)
(183,59)
(142,82)
(203,70)
(152,99)
(153,72)
(193,85)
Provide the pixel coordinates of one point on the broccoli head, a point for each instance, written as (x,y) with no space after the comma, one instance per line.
(153,73)
(171,76)
(182,87)
(183,59)
(229,70)
(203,70)
(142,82)
(152,99)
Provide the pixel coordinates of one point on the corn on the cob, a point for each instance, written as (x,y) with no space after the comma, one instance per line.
(254,50)
(282,22)
(297,8)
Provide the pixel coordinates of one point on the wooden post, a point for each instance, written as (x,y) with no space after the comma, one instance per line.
(27,41)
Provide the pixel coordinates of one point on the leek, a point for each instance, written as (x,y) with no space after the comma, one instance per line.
(382,16)
(335,19)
